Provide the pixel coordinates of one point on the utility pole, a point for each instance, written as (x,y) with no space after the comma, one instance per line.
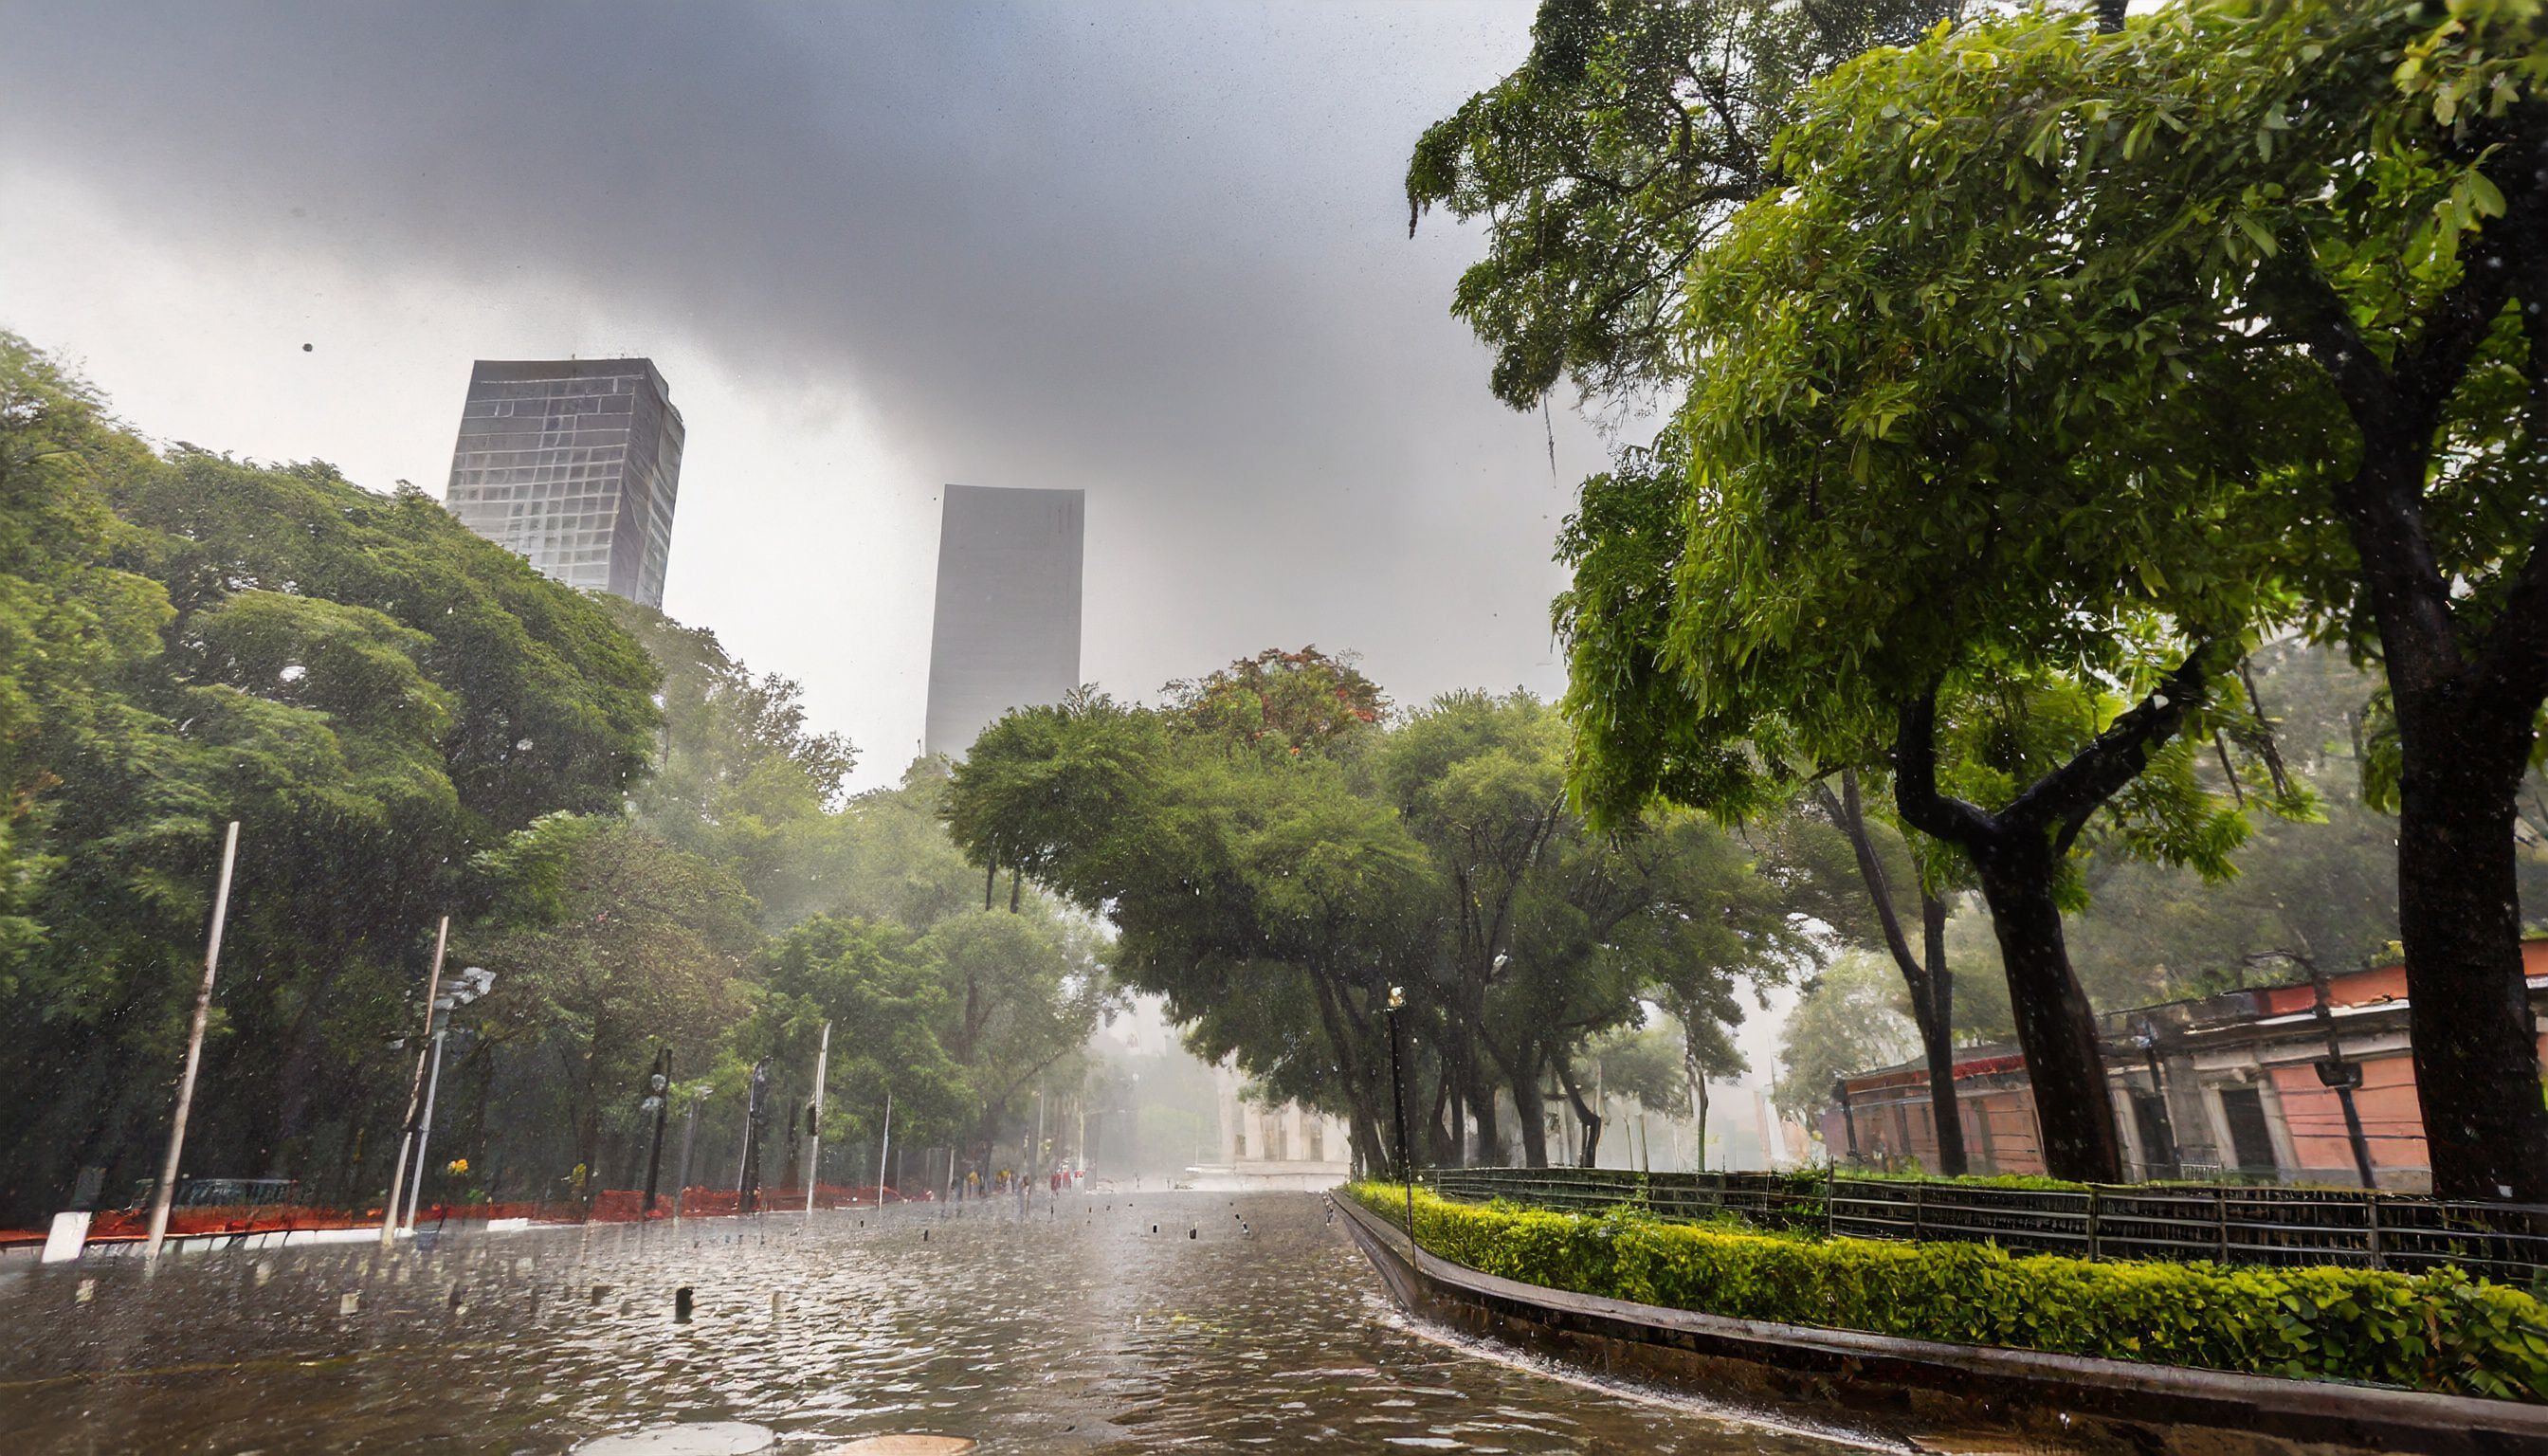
(162,1195)
(415,1088)
(472,984)
(814,1164)
(659,1096)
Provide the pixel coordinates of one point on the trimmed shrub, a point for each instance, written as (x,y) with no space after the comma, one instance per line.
(2436,1332)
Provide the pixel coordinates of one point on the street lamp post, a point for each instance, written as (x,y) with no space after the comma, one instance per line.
(415,1089)
(814,1164)
(1398,1106)
(748,1182)
(659,1098)
(473,982)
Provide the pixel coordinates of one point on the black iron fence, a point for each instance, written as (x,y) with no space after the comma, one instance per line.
(2225,1222)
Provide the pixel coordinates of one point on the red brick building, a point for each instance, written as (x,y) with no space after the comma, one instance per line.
(2233,1086)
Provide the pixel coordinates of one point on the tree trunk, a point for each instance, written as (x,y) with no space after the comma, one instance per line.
(1481,1110)
(2056,1028)
(2016,850)
(1455,1080)
(1938,1040)
(1931,986)
(1532,1113)
(1590,1119)
(2475,1040)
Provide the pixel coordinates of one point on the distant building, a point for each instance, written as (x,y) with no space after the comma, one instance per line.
(2236,1085)
(1007,628)
(1272,1146)
(572,464)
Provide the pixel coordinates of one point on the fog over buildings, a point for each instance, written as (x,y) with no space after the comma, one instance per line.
(1006,630)
(1155,252)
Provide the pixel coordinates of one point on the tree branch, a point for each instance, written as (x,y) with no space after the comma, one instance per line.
(1915,780)
(1847,812)
(2065,799)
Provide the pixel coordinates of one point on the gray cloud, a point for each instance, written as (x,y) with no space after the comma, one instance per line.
(1153,252)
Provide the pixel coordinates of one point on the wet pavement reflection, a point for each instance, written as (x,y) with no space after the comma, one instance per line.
(1245,1322)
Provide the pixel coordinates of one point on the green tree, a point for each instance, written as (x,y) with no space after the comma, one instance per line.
(887,1005)
(1240,875)
(1022,994)
(1864,519)
(738,775)
(1612,157)
(321,670)
(68,619)
(2297,254)
(607,943)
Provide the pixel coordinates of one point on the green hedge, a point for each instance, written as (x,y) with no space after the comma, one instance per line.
(2437,1331)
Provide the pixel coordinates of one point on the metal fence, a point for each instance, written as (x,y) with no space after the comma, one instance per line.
(2225,1222)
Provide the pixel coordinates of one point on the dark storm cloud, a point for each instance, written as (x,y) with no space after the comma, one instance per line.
(1157,253)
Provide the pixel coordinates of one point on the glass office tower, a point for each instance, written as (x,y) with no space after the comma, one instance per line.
(572,463)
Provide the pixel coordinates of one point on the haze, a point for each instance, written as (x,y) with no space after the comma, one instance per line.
(1159,253)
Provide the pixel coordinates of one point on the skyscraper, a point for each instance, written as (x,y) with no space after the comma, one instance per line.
(1007,629)
(572,463)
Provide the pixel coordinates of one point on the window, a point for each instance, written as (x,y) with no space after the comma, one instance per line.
(2252,1140)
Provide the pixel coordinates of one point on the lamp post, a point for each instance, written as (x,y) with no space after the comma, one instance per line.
(415,1090)
(659,1098)
(746,1181)
(473,982)
(814,1163)
(1397,1109)
(2337,1073)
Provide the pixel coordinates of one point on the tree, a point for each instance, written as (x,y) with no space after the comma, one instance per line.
(1236,868)
(1927,979)
(2327,218)
(67,617)
(607,943)
(369,688)
(738,775)
(1021,994)
(1292,700)
(1609,159)
(887,1005)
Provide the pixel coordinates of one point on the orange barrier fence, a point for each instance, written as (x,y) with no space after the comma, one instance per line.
(612,1206)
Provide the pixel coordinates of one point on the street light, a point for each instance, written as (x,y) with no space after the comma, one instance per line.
(473,982)
(1398,1106)
(659,1096)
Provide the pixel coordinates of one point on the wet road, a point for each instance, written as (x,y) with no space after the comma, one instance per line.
(1070,1327)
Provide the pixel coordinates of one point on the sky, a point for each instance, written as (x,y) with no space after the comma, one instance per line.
(1159,253)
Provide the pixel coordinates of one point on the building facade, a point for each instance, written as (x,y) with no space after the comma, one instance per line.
(2248,1085)
(572,464)
(1267,1144)
(1005,633)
